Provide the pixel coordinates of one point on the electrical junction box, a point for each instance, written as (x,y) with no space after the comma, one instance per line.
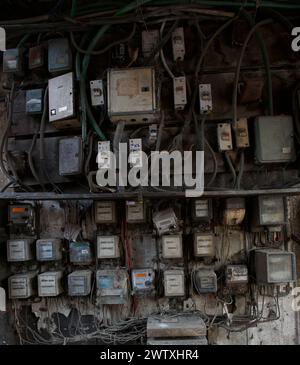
(49,284)
(204,245)
(19,250)
(112,286)
(103,156)
(36,57)
(48,249)
(21,286)
(135,152)
(34,101)
(274,139)
(234,211)
(97,92)
(202,210)
(105,212)
(12,60)
(142,280)
(108,247)
(59,55)
(179,89)
(236,275)
(150,39)
(80,253)
(172,246)
(205,281)
(132,95)
(79,283)
(205,98)
(61,102)
(174,283)
(70,156)
(268,210)
(224,137)
(135,211)
(165,221)
(241,133)
(178,44)
(274,266)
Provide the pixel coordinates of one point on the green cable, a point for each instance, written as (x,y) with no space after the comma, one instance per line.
(74,9)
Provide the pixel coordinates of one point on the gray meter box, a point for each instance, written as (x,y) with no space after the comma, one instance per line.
(274,139)
(21,286)
(59,55)
(80,253)
(49,249)
(112,286)
(12,60)
(268,211)
(70,156)
(34,101)
(79,283)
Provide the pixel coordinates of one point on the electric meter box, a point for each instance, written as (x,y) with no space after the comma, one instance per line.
(59,55)
(21,215)
(112,286)
(206,281)
(172,246)
(70,156)
(268,210)
(12,60)
(21,286)
(202,210)
(49,284)
(34,101)
(48,249)
(204,245)
(62,102)
(165,221)
(79,283)
(108,247)
(234,211)
(132,95)
(105,212)
(80,253)
(236,275)
(274,266)
(135,212)
(19,250)
(150,39)
(174,283)
(36,57)
(142,280)
(274,139)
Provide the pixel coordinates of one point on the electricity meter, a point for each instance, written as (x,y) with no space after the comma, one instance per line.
(21,286)
(59,55)
(80,253)
(135,211)
(234,212)
(112,286)
(204,245)
(49,284)
(174,283)
(19,250)
(172,246)
(105,212)
(236,274)
(150,39)
(80,283)
(165,221)
(108,247)
(70,156)
(142,280)
(34,101)
(22,218)
(48,249)
(12,60)
(268,211)
(205,281)
(202,210)
(36,57)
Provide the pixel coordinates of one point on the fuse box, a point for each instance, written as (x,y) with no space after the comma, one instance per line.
(204,245)
(103,157)
(108,247)
(234,211)
(268,211)
(112,286)
(150,39)
(105,212)
(19,250)
(80,253)
(174,283)
(132,95)
(178,44)
(36,57)
(135,152)
(97,92)
(70,156)
(274,139)
(49,284)
(165,221)
(179,90)
(205,281)
(205,98)
(34,101)
(236,275)
(59,55)
(21,286)
(80,283)
(22,217)
(241,133)
(12,60)
(202,210)
(142,280)
(135,212)
(61,102)
(48,249)
(274,266)
(224,137)
(172,246)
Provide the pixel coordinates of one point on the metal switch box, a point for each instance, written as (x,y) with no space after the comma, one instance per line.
(70,156)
